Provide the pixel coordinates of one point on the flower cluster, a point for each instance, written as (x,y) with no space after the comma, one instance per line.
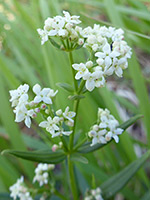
(41,173)
(25,109)
(93,75)
(105,129)
(94,194)
(64,27)
(19,190)
(55,125)
(110,53)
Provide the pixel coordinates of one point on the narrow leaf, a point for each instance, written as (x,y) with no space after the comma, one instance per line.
(77,157)
(66,87)
(55,44)
(43,156)
(118,181)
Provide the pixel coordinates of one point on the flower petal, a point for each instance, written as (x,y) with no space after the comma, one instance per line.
(37,89)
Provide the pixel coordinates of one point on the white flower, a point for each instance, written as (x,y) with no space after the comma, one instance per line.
(106,129)
(51,126)
(71,19)
(82,70)
(61,26)
(44,94)
(69,115)
(107,54)
(41,173)
(43,34)
(94,79)
(24,114)
(21,91)
(19,190)
(94,194)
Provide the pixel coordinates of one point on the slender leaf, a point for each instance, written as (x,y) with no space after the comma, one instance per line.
(44,156)
(118,181)
(66,87)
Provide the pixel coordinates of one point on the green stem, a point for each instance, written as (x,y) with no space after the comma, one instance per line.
(81,86)
(76,105)
(72,179)
(73,71)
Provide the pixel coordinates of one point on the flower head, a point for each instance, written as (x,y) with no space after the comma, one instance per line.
(106,128)
(41,173)
(20,190)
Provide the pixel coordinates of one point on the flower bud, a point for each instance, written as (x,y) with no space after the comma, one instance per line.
(55,147)
(43,106)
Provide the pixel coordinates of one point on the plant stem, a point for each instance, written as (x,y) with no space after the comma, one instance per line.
(76,105)
(72,179)
(73,71)
(82,83)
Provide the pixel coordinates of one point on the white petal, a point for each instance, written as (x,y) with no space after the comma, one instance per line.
(45,91)
(78,75)
(119,71)
(108,61)
(103,125)
(102,140)
(28,121)
(116,138)
(90,84)
(100,55)
(114,54)
(109,71)
(66,132)
(106,48)
(119,131)
(47,100)
(76,66)
(37,99)
(37,89)
(94,141)
(43,124)
(52,32)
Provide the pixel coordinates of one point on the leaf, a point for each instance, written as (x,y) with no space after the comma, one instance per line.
(77,157)
(129,122)
(86,148)
(43,156)
(75,97)
(118,181)
(66,87)
(55,44)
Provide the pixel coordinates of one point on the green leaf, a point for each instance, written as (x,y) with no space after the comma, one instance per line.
(66,87)
(75,97)
(118,181)
(129,122)
(77,157)
(44,156)
(55,44)
(86,148)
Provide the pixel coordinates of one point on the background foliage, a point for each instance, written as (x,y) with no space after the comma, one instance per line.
(24,60)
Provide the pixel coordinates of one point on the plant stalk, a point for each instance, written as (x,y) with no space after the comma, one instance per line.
(72,179)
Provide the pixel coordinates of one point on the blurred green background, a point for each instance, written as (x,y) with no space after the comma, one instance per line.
(24,60)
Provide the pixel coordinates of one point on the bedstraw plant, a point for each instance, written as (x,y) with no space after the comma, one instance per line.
(108,54)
